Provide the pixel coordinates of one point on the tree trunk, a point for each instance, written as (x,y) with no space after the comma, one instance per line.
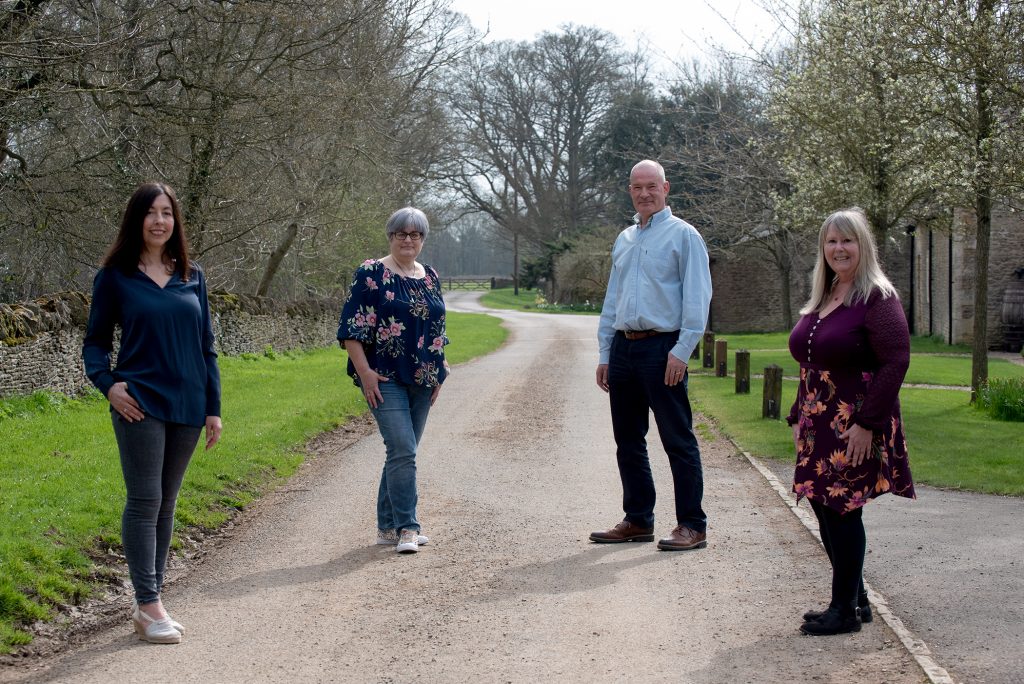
(787,286)
(274,263)
(515,263)
(982,202)
(979,355)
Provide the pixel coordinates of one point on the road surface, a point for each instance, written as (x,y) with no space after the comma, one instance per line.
(516,468)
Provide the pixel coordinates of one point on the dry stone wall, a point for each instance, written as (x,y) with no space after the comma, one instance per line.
(41,341)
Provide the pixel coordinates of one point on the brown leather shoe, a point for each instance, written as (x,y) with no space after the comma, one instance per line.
(625,531)
(683,539)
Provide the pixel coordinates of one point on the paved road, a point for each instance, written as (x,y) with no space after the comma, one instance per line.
(516,467)
(951,565)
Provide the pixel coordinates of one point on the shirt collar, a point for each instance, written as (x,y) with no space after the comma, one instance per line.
(667,211)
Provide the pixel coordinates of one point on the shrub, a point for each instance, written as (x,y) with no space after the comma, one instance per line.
(1003,398)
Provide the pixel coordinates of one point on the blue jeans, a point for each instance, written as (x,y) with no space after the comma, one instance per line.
(401,418)
(636,387)
(154,456)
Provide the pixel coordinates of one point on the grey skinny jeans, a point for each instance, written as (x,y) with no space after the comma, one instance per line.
(154,456)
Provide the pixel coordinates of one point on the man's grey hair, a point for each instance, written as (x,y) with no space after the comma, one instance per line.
(649,162)
(407,218)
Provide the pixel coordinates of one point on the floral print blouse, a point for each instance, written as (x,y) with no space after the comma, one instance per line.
(400,321)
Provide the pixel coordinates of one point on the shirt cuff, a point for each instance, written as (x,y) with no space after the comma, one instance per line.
(681,353)
(105,382)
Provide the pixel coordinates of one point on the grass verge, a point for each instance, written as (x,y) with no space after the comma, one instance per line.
(951,444)
(534,302)
(929,363)
(61,491)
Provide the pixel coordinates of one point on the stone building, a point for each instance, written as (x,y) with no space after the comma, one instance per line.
(747,295)
(944,277)
(932,268)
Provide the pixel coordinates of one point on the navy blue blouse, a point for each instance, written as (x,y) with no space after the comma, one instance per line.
(167,354)
(400,322)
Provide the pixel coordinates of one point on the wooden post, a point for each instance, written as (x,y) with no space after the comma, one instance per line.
(772,391)
(709,350)
(742,372)
(722,358)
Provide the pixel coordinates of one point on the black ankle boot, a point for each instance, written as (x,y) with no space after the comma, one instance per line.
(832,621)
(863,610)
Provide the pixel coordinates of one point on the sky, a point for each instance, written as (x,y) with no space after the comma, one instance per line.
(675,30)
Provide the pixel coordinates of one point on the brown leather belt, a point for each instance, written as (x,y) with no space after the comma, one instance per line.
(640,334)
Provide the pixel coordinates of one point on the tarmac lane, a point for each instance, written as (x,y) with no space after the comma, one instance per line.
(951,566)
(516,467)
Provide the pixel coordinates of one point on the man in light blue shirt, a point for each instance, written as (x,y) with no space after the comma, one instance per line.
(655,311)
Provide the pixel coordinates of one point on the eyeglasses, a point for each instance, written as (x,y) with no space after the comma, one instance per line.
(402,237)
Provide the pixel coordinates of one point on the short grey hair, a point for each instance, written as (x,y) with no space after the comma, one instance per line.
(648,162)
(407,217)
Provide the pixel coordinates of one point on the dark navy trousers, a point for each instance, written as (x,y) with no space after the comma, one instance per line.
(636,388)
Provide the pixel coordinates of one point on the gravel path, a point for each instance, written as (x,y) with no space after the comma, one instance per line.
(516,468)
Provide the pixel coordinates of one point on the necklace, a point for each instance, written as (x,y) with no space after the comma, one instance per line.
(836,294)
(402,268)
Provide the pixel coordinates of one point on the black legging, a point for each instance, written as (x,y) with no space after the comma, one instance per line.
(842,535)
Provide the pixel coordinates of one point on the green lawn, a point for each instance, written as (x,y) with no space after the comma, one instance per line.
(952,444)
(532,301)
(61,491)
(928,364)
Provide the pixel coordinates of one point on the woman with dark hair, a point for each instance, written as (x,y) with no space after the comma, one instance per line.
(853,346)
(164,389)
(393,327)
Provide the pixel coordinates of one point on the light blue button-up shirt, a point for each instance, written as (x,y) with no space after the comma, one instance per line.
(660,280)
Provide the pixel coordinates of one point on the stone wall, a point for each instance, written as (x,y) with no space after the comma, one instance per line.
(934,284)
(747,296)
(944,276)
(41,341)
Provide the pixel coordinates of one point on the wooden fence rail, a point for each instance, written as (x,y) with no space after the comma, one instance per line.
(468,283)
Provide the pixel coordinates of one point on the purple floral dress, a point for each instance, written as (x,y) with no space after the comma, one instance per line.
(400,321)
(852,364)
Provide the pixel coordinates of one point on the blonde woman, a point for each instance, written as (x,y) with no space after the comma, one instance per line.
(853,346)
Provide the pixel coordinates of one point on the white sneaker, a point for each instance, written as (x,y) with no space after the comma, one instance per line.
(390,538)
(408,541)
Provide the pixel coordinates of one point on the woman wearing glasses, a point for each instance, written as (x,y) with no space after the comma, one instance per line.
(393,328)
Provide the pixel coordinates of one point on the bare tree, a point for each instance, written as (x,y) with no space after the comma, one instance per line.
(723,155)
(287,127)
(54,57)
(525,115)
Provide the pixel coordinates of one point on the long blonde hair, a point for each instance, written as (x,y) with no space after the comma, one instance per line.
(869,277)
